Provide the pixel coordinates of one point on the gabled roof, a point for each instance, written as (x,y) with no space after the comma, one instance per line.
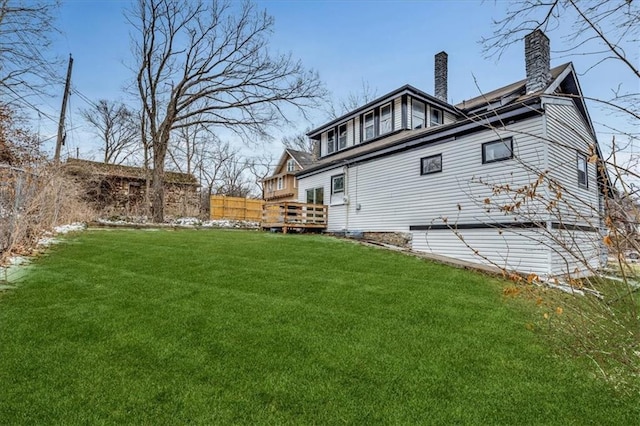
(80,167)
(406,89)
(514,92)
(303,158)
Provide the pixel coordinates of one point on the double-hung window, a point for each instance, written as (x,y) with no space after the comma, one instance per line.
(280,183)
(583,179)
(337,184)
(315,195)
(386,123)
(417,114)
(497,150)
(290,165)
(342,136)
(436,117)
(331,141)
(369,126)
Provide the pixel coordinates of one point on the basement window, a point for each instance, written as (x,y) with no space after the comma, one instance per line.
(497,151)
(583,180)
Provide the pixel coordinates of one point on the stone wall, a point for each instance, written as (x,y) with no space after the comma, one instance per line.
(399,239)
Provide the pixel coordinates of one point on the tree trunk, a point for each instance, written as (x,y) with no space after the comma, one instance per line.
(157,185)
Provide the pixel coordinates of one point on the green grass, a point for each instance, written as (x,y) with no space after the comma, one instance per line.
(219,327)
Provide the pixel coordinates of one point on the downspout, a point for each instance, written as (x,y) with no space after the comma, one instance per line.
(545,165)
(345,170)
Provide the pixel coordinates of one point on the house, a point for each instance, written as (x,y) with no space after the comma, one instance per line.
(282,184)
(506,179)
(120,190)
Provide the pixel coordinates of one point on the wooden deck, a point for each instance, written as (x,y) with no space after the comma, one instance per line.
(289,215)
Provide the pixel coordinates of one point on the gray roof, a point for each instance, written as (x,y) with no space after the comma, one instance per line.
(516,89)
(303,158)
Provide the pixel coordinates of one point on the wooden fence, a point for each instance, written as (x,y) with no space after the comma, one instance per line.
(235,208)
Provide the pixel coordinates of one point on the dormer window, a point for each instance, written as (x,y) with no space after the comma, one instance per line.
(291,165)
(417,114)
(342,136)
(385,119)
(436,117)
(369,126)
(331,141)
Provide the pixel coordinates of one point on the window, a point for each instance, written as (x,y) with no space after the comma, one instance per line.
(497,150)
(331,142)
(291,165)
(315,196)
(369,126)
(342,136)
(431,164)
(280,183)
(582,171)
(417,114)
(337,184)
(436,117)
(385,119)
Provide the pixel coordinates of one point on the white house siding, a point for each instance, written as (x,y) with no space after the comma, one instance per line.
(323,144)
(510,249)
(337,211)
(448,118)
(350,133)
(356,130)
(581,250)
(390,195)
(397,113)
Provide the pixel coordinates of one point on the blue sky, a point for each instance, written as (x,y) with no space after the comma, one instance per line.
(384,43)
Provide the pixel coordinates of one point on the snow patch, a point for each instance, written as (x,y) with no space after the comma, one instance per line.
(72,227)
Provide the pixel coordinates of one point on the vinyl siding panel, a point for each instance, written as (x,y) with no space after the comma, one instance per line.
(448,117)
(356,130)
(323,144)
(337,213)
(568,135)
(577,254)
(505,249)
(350,133)
(397,113)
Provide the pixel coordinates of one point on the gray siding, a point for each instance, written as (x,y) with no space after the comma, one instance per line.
(397,113)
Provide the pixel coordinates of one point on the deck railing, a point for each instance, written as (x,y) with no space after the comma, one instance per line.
(289,215)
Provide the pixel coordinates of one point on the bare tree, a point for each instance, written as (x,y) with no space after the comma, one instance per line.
(299,142)
(235,182)
(25,35)
(353,100)
(259,168)
(604,328)
(117,126)
(211,59)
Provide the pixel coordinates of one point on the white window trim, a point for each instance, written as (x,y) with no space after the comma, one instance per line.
(381,131)
(364,125)
(424,114)
(346,135)
(333,178)
(331,151)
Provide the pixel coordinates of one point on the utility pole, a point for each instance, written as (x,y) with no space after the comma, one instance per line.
(65,98)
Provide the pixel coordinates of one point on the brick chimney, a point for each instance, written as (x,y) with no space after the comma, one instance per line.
(538,61)
(440,75)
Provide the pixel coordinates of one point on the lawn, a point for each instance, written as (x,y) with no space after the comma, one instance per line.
(220,327)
